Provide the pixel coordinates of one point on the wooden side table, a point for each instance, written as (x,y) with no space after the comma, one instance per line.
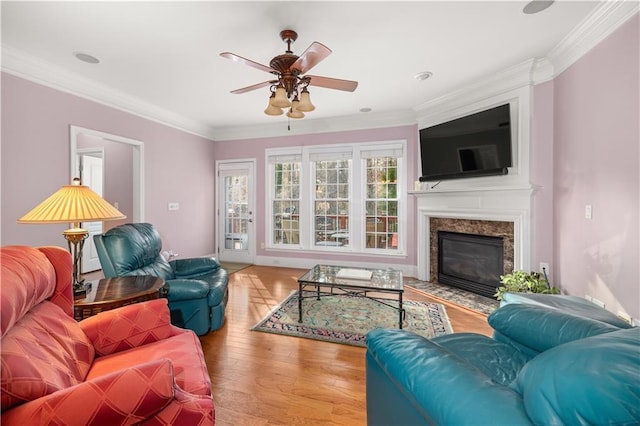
(111,293)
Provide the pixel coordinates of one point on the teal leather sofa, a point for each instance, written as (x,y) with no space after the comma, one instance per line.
(197,287)
(548,367)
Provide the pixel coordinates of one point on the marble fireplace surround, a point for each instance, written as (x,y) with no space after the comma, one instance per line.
(508,211)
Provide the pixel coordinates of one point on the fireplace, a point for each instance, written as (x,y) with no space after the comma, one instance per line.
(470,262)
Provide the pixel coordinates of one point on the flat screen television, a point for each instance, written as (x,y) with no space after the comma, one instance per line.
(475,145)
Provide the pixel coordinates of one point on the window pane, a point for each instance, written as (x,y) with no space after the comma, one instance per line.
(381,204)
(286,203)
(331,204)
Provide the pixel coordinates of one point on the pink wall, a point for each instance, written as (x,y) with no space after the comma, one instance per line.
(596,162)
(255,148)
(179,167)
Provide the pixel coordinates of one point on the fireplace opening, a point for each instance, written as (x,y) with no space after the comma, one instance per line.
(470,262)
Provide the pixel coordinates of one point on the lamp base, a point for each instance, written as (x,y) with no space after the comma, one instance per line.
(79,291)
(75,238)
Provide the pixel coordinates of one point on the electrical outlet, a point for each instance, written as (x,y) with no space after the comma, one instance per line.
(174,206)
(588,211)
(625,317)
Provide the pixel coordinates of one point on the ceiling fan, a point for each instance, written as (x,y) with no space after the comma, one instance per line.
(289,88)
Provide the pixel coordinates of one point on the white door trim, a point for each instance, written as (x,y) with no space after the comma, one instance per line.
(249,165)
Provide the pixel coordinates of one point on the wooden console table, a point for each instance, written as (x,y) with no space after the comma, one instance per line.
(111,293)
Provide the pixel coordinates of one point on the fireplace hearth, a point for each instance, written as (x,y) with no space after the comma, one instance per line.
(470,262)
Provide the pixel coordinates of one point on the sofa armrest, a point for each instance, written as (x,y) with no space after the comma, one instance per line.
(121,398)
(539,328)
(129,326)
(193,267)
(425,374)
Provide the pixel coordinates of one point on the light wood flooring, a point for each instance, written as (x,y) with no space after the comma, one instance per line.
(268,379)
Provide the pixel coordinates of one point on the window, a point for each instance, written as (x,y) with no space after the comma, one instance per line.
(331,203)
(381,201)
(286,199)
(343,198)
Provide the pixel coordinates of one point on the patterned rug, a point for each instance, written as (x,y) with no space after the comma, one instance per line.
(347,319)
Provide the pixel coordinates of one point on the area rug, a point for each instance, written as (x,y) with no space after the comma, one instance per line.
(347,319)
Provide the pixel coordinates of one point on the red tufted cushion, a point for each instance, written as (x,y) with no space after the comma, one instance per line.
(45,351)
(28,278)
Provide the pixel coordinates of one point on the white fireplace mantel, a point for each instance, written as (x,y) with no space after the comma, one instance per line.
(505,203)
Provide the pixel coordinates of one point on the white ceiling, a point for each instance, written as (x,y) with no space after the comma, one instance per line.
(165,55)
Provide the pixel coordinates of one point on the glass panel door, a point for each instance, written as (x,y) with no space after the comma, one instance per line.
(236,212)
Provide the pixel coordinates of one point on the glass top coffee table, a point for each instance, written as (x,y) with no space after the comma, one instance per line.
(361,282)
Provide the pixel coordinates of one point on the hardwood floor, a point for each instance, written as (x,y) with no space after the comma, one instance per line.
(267,379)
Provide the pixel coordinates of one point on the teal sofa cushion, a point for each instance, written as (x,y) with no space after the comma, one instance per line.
(534,329)
(569,304)
(589,381)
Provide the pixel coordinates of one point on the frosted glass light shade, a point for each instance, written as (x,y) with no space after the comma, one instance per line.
(305,104)
(281,100)
(72,204)
(295,114)
(271,109)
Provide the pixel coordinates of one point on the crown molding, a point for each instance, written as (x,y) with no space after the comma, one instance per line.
(603,21)
(508,80)
(361,121)
(28,67)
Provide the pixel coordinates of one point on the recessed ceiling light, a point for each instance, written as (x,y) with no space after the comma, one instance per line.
(423,75)
(537,6)
(365,109)
(85,57)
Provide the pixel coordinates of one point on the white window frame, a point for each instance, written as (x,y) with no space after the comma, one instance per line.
(357,188)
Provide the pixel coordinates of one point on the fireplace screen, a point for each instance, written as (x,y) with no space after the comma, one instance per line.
(471,262)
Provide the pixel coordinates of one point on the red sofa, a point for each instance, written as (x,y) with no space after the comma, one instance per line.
(124,366)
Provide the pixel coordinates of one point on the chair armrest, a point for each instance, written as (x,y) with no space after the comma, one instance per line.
(129,326)
(186,289)
(193,267)
(121,398)
(428,374)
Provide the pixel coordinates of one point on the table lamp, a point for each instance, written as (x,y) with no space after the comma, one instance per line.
(73,204)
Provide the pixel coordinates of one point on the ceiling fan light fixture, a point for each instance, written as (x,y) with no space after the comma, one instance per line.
(305,104)
(295,114)
(271,109)
(280,100)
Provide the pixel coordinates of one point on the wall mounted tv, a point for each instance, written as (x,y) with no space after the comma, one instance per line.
(475,145)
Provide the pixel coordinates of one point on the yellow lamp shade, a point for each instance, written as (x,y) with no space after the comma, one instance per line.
(70,204)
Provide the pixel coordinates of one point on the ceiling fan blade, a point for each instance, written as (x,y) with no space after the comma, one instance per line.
(254,87)
(310,57)
(332,83)
(246,61)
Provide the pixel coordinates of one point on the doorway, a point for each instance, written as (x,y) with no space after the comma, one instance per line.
(90,170)
(236,207)
(133,204)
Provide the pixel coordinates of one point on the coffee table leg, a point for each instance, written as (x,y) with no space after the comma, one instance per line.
(400,310)
(299,302)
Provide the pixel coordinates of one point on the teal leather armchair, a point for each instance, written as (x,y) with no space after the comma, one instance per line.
(549,367)
(197,287)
